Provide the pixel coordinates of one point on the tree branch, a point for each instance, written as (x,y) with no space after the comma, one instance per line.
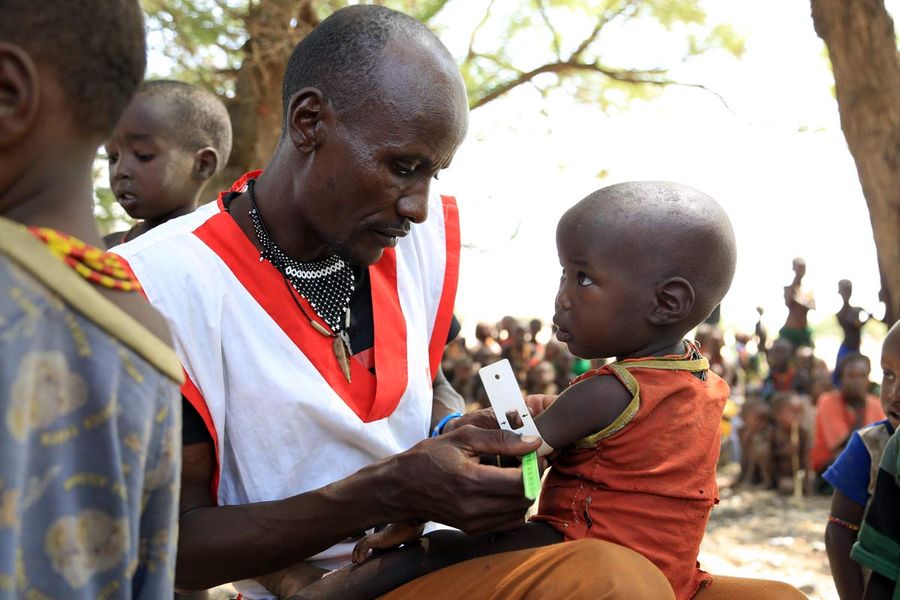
(470,54)
(555,34)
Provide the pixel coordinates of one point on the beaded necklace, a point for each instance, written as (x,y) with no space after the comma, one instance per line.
(92,263)
(326,285)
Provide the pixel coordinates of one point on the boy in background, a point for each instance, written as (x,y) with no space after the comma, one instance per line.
(172,139)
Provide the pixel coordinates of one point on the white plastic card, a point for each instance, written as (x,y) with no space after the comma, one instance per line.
(506,399)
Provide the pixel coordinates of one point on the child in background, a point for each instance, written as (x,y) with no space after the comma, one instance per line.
(843,411)
(790,441)
(638,439)
(171,140)
(91,418)
(853,476)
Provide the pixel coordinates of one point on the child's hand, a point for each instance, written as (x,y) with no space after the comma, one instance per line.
(390,537)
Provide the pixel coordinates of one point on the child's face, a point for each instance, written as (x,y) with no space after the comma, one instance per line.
(855,379)
(150,174)
(599,304)
(890,384)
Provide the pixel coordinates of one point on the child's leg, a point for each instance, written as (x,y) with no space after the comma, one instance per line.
(389,570)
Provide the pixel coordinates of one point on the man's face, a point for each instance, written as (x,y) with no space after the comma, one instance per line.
(600,307)
(374,168)
(150,173)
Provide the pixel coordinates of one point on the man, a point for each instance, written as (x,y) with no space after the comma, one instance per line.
(310,318)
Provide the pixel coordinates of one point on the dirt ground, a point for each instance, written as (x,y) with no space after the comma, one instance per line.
(755,533)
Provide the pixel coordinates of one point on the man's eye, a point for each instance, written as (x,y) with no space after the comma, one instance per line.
(404,170)
(144,157)
(111,158)
(584,280)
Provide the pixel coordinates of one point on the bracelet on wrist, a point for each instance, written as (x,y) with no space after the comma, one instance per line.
(439,428)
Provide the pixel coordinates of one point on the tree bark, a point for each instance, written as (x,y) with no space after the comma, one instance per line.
(274,27)
(862,44)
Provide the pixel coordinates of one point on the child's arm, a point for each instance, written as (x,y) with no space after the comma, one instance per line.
(583,409)
(839,540)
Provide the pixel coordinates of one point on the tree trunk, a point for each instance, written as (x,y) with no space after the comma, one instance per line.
(860,38)
(273,27)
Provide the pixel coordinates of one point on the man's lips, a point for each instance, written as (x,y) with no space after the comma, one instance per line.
(391,235)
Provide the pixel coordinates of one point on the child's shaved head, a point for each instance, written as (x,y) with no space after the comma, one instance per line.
(95,47)
(661,230)
(198,117)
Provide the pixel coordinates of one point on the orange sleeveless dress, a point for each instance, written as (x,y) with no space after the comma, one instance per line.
(648,481)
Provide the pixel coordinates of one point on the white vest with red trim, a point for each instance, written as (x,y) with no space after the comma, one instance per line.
(283,418)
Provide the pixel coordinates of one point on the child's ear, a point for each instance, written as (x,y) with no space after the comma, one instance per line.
(19,96)
(307,111)
(674,301)
(206,163)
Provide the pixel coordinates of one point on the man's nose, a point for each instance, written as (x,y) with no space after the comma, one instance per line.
(414,205)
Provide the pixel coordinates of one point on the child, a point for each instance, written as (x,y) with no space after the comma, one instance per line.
(853,476)
(638,439)
(169,143)
(89,398)
(799,301)
(790,442)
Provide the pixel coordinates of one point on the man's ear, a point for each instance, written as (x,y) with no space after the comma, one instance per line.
(673,302)
(19,94)
(206,163)
(307,111)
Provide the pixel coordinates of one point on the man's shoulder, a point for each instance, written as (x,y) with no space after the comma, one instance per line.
(167,236)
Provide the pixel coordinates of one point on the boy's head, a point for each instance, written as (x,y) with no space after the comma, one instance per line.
(853,375)
(643,263)
(799,267)
(67,70)
(890,383)
(779,355)
(845,289)
(787,409)
(171,140)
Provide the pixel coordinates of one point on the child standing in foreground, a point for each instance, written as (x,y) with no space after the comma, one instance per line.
(854,476)
(638,439)
(171,140)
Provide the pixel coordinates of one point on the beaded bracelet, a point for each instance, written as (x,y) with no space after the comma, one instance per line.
(843,523)
(439,428)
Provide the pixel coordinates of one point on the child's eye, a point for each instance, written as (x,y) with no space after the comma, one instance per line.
(144,157)
(111,158)
(584,280)
(889,375)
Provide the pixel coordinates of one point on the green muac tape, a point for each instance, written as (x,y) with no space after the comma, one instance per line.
(531,476)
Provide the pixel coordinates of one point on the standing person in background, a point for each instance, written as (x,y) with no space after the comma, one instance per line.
(169,143)
(89,434)
(799,302)
(851,319)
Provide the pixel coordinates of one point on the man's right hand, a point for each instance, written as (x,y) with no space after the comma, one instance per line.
(440,479)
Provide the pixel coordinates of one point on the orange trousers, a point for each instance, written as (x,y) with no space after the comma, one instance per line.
(579,570)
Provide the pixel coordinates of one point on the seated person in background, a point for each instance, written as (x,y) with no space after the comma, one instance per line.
(790,441)
(756,443)
(843,411)
(854,476)
(638,439)
(171,140)
(878,543)
(799,301)
(781,372)
(804,369)
(711,342)
(89,406)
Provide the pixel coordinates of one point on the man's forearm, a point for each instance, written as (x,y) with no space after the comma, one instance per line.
(228,543)
(446,400)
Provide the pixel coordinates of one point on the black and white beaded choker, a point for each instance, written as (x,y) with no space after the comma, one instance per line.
(326,285)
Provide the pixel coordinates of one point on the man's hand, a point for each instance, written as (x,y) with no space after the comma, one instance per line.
(486,419)
(440,479)
(393,535)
